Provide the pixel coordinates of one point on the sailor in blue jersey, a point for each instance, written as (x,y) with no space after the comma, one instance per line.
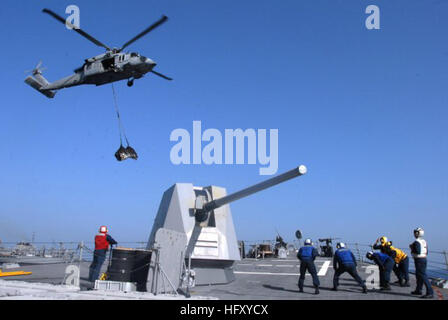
(344,261)
(419,251)
(307,254)
(385,264)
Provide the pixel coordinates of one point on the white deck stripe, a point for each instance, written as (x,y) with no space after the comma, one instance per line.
(323,270)
(269,273)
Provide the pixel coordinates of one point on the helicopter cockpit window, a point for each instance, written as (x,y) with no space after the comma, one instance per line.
(133,54)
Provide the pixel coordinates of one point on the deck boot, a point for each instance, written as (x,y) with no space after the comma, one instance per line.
(405,284)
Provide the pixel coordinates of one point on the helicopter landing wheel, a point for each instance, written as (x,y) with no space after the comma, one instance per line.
(130,83)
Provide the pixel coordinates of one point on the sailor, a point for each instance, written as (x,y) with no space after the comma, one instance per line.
(401,267)
(385,264)
(419,251)
(307,254)
(381,244)
(102,242)
(344,261)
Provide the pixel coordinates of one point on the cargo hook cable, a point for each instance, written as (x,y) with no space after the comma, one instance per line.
(120,125)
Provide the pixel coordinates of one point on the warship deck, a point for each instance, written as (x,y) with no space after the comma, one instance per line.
(262,279)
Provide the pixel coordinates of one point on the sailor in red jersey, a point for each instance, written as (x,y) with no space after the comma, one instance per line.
(102,242)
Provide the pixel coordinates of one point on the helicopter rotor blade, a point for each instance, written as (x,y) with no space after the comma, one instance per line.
(74,28)
(144,32)
(161,75)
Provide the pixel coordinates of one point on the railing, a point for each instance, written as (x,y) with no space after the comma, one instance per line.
(64,251)
(64,258)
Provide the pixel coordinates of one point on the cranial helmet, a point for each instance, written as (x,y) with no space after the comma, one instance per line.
(383,240)
(418,232)
(103,229)
(369,255)
(308,242)
(340,245)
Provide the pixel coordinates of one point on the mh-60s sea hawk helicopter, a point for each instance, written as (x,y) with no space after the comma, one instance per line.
(114,65)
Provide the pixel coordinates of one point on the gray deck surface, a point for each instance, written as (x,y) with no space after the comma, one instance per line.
(277,279)
(264,279)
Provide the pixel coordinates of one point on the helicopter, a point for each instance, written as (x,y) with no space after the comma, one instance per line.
(113,65)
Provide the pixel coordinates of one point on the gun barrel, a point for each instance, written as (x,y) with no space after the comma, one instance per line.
(214,204)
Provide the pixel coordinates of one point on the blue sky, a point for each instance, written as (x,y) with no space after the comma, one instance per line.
(366,111)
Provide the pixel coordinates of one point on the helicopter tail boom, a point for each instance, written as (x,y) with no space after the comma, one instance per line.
(38,82)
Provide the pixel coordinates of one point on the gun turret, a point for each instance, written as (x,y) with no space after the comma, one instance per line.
(202,208)
(201,221)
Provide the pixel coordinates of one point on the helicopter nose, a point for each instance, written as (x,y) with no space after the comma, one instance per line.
(148,62)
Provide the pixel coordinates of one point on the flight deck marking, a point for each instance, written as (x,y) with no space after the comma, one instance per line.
(268,273)
(323,270)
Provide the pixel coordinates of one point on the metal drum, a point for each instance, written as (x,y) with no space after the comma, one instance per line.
(122,264)
(130,265)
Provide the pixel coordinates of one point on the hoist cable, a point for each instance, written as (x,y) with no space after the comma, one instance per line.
(120,125)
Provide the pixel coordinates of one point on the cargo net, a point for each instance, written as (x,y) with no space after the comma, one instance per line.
(127,152)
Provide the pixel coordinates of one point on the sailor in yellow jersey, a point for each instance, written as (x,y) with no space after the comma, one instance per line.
(401,268)
(381,244)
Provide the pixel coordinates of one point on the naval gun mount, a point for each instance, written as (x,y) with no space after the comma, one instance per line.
(202,214)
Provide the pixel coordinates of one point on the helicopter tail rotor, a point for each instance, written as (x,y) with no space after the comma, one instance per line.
(37,69)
